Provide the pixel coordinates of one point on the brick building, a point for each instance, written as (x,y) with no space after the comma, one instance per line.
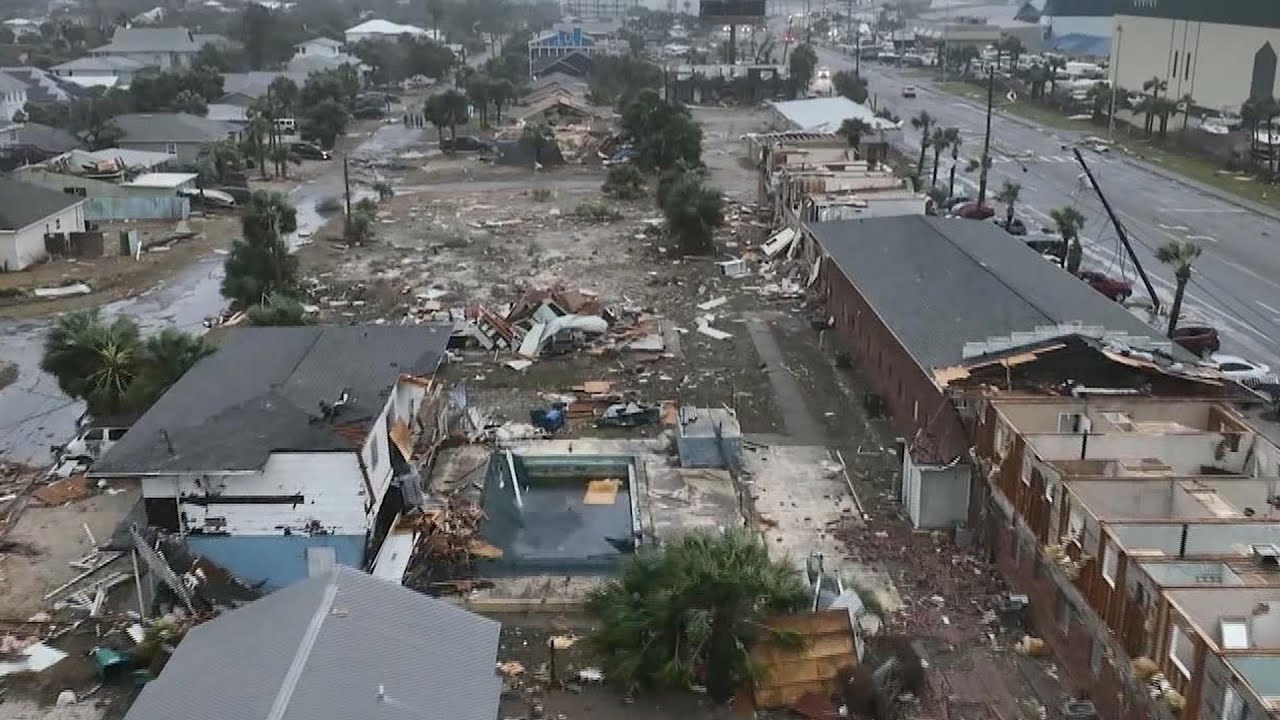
(911,296)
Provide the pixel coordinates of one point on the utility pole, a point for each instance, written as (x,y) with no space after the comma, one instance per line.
(346,186)
(1115,83)
(986,141)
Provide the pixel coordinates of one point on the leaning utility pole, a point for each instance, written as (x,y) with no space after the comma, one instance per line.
(986,141)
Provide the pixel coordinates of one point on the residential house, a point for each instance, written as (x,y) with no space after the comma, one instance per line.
(287,439)
(22,27)
(910,294)
(162,48)
(13,97)
(337,646)
(386,30)
(824,114)
(318,46)
(574,64)
(26,143)
(29,213)
(1140,521)
(307,64)
(42,85)
(244,88)
(179,134)
(99,71)
(103,178)
(564,41)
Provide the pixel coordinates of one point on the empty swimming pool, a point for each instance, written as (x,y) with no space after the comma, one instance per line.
(562,513)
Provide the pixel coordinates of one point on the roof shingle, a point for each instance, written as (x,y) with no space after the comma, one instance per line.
(23,204)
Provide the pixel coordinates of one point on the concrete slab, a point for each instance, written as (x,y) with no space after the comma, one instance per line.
(796,417)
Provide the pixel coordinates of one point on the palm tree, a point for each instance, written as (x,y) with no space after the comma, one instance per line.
(1179,254)
(164,359)
(501,92)
(699,601)
(1185,104)
(1008,195)
(1164,107)
(1155,86)
(939,141)
(853,129)
(1069,221)
(1055,64)
(281,156)
(93,360)
(539,137)
(922,122)
(955,161)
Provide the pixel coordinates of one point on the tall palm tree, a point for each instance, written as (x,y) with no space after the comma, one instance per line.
(955,161)
(1055,64)
(938,140)
(1179,254)
(1008,195)
(1185,104)
(853,129)
(698,601)
(1155,86)
(1069,221)
(922,122)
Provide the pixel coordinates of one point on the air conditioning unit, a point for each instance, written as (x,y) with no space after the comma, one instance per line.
(1267,555)
(1079,710)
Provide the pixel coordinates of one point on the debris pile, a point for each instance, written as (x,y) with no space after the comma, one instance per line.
(448,546)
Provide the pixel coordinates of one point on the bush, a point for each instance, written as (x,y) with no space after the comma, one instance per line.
(596,211)
(624,182)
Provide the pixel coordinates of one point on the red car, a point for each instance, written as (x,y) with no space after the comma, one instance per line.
(1199,339)
(974,211)
(1117,290)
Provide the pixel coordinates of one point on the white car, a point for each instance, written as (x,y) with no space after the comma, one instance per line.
(1241,370)
(90,444)
(909,91)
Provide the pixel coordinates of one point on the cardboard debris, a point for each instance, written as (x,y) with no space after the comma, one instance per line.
(61,492)
(602,492)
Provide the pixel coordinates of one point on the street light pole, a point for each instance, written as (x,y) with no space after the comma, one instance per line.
(986,141)
(1115,82)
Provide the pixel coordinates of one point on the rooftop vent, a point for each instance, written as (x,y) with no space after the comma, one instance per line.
(1267,555)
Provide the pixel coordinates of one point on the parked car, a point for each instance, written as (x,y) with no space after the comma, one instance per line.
(1199,339)
(1239,369)
(1114,289)
(465,143)
(310,151)
(973,211)
(909,91)
(89,444)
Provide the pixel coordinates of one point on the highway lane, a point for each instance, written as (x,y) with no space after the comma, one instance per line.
(1236,283)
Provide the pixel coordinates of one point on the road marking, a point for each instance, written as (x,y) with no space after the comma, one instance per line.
(1204,211)
(1204,238)
(1267,307)
(1178,228)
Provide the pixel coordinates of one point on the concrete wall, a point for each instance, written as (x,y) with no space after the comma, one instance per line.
(275,560)
(10,104)
(1221,58)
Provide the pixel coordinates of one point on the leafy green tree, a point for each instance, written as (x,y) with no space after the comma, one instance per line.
(480,94)
(212,56)
(624,182)
(501,92)
(1069,222)
(804,60)
(340,85)
(617,79)
(540,137)
(189,102)
(260,264)
(325,121)
(662,135)
(698,601)
(277,310)
(849,84)
(1179,254)
(447,109)
(693,211)
(217,160)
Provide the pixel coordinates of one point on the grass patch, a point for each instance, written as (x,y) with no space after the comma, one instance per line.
(595,211)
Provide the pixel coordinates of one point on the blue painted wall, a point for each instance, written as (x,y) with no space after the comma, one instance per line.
(279,560)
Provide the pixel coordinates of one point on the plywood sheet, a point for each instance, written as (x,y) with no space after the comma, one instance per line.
(602,492)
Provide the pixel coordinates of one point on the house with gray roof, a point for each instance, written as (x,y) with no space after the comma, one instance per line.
(28,214)
(163,48)
(42,85)
(13,97)
(181,135)
(287,439)
(243,88)
(340,645)
(93,70)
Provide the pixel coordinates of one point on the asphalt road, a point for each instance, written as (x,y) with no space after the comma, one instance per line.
(1236,282)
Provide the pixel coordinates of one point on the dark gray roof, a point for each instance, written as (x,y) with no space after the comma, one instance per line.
(171,39)
(254,84)
(42,86)
(45,137)
(938,283)
(10,84)
(323,649)
(169,127)
(23,204)
(261,392)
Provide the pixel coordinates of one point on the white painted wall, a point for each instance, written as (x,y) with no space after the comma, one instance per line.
(311,47)
(10,104)
(25,247)
(402,403)
(333,495)
(1221,57)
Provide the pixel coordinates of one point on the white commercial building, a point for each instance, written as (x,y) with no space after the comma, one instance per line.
(1218,53)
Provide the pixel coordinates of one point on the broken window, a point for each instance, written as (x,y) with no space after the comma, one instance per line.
(1110,562)
(1235,634)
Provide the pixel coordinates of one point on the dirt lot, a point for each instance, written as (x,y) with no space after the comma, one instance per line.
(115,276)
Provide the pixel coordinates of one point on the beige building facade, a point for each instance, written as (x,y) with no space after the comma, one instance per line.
(1220,53)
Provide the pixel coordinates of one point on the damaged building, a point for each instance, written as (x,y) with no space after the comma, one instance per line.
(285,440)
